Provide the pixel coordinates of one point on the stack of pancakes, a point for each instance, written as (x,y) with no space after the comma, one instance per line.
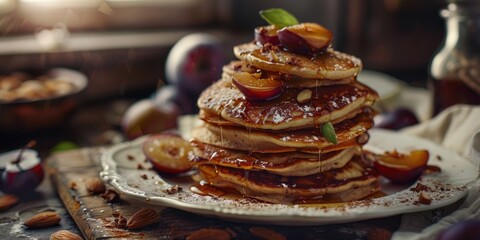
(274,150)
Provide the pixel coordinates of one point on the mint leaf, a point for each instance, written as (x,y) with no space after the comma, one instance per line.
(329,132)
(278,17)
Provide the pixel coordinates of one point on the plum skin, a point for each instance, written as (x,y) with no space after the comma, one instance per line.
(396,119)
(305,38)
(402,169)
(267,34)
(22,182)
(464,230)
(257,89)
(195,62)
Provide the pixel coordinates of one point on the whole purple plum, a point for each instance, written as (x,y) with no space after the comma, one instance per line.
(195,62)
(173,94)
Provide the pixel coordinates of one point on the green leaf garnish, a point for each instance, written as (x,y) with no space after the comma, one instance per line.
(329,132)
(63,146)
(278,17)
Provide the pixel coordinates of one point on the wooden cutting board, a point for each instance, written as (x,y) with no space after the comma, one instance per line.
(94,217)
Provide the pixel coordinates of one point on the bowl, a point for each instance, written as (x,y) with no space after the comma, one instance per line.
(27,115)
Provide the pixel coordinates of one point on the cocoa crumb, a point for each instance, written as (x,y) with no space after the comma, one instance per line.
(110,196)
(293,61)
(268,47)
(420,187)
(439,158)
(140,167)
(144,176)
(130,157)
(173,189)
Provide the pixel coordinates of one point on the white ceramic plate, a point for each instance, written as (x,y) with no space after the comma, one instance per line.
(387,87)
(127,171)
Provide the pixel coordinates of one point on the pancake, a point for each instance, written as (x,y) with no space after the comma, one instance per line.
(334,103)
(288,80)
(285,164)
(252,140)
(329,65)
(352,182)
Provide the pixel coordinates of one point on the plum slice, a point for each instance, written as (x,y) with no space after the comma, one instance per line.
(267,34)
(402,168)
(305,38)
(168,153)
(256,88)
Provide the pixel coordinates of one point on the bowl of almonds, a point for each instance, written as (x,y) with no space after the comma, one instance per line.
(31,101)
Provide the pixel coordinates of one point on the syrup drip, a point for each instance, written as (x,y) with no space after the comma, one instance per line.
(249,129)
(319,160)
(221,136)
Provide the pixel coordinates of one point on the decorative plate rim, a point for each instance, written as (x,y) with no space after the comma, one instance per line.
(400,202)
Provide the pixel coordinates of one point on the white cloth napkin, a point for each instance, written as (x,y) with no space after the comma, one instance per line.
(454,129)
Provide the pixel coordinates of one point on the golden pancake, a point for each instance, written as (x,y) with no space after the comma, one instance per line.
(289,81)
(285,164)
(273,188)
(332,103)
(329,65)
(251,140)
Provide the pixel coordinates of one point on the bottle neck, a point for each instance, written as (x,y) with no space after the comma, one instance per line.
(463,28)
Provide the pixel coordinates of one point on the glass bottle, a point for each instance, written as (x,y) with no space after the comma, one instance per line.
(454,72)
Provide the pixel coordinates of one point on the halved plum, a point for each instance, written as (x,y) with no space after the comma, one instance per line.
(267,34)
(305,38)
(402,168)
(168,153)
(256,88)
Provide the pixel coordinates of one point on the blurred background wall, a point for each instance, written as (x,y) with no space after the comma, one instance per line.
(122,44)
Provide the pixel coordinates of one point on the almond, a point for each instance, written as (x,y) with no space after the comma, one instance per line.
(209,234)
(304,96)
(143,218)
(43,220)
(8,201)
(266,233)
(379,234)
(65,235)
(95,185)
(424,198)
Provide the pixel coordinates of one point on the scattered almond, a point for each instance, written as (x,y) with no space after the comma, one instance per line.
(143,218)
(266,233)
(94,185)
(209,234)
(424,198)
(43,220)
(7,201)
(65,235)
(379,234)
(304,96)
